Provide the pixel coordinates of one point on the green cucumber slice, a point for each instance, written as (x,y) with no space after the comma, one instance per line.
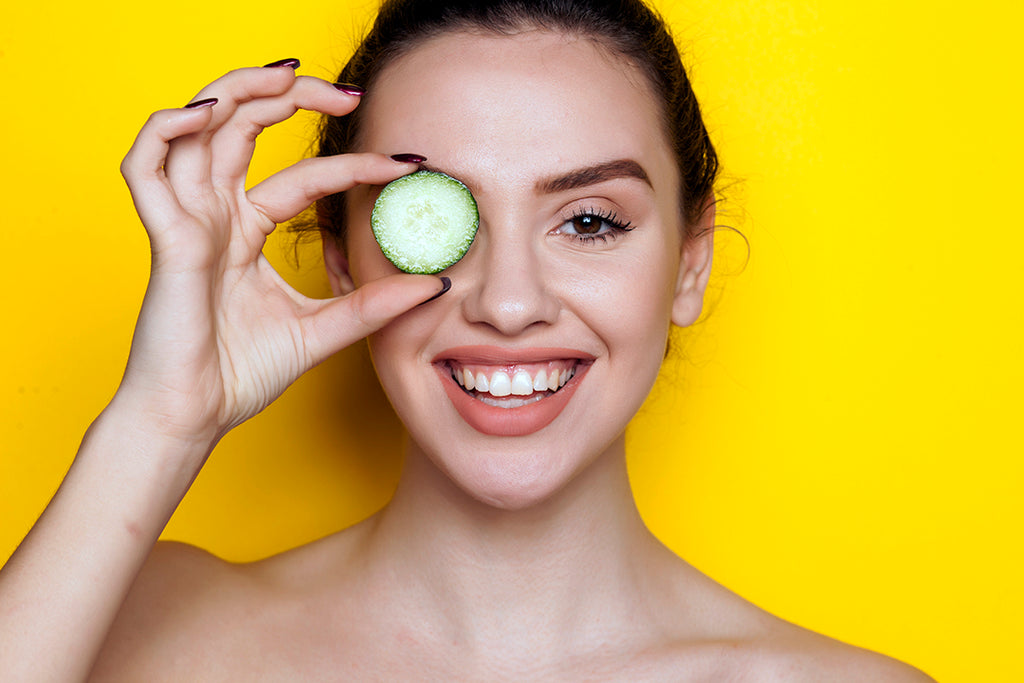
(424,222)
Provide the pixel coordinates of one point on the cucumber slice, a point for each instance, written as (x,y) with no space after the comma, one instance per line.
(424,222)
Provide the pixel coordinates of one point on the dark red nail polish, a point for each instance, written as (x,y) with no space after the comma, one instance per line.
(446,284)
(349,89)
(409,158)
(208,102)
(291,61)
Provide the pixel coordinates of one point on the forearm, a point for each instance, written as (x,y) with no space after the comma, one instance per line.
(219,337)
(62,588)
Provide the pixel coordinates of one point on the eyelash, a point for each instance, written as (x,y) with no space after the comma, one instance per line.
(609,218)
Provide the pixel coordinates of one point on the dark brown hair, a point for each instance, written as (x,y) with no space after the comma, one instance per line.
(624,27)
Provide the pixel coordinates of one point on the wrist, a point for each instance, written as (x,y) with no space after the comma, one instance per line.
(148,432)
(181,420)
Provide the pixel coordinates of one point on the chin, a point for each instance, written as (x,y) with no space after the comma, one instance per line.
(541,419)
(516,474)
(513,484)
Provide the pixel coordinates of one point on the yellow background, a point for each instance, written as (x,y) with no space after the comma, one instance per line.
(841,442)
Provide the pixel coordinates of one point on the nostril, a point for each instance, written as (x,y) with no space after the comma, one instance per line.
(506,282)
(510,304)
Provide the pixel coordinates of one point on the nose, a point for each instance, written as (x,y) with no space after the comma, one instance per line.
(511,289)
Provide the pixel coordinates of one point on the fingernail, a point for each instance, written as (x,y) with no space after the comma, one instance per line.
(208,102)
(349,89)
(410,159)
(291,61)
(446,283)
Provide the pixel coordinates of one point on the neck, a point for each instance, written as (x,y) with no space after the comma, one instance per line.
(499,578)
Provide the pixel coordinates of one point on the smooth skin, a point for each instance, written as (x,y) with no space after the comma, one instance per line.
(498,558)
(219,337)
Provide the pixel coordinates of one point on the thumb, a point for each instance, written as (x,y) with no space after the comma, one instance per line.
(345,320)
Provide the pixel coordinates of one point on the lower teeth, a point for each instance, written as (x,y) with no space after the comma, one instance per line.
(511,402)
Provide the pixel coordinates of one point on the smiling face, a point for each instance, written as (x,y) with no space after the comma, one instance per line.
(531,366)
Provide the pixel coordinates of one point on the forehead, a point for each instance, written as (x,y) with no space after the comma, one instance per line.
(511,108)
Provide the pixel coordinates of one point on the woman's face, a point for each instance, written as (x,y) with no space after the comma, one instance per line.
(577,269)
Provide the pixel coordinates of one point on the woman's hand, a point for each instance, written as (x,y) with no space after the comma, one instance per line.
(220,334)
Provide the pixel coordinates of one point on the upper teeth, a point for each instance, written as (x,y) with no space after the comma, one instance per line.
(517,382)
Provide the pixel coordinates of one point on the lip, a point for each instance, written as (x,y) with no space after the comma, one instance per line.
(497,355)
(520,421)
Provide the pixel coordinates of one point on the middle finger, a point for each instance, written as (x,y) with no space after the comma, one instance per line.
(250,99)
(232,145)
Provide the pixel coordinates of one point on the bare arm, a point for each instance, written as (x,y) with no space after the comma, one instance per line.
(219,337)
(60,592)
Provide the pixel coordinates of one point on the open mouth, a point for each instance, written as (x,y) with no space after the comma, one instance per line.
(510,392)
(513,385)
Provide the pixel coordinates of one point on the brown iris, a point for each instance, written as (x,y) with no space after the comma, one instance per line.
(587,225)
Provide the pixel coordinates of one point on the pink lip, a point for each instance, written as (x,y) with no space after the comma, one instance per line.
(520,421)
(497,355)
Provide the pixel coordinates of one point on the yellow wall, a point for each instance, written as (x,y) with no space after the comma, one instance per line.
(841,444)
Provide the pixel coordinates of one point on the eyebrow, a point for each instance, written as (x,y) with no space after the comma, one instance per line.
(592,175)
(580,177)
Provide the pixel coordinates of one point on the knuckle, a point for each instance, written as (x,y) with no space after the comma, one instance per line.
(246,128)
(156,120)
(131,165)
(240,72)
(253,82)
(127,166)
(156,125)
(359,313)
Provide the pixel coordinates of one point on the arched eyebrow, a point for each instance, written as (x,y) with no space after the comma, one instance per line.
(592,175)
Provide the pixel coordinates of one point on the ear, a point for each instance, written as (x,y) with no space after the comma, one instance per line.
(695,269)
(337,266)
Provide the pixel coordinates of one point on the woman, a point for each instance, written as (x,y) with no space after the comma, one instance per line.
(512,548)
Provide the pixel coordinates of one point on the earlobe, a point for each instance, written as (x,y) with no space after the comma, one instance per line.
(337,266)
(694,270)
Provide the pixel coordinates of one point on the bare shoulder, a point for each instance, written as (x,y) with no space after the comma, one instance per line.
(779,657)
(181,602)
(732,639)
(193,616)
(790,654)
(848,663)
(812,657)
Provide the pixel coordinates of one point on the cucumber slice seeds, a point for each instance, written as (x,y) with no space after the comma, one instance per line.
(424,222)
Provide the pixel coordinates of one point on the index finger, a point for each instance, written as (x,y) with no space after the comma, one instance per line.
(288,192)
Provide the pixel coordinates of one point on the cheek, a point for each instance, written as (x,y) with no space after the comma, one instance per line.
(366,261)
(627,301)
(383,353)
(394,350)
